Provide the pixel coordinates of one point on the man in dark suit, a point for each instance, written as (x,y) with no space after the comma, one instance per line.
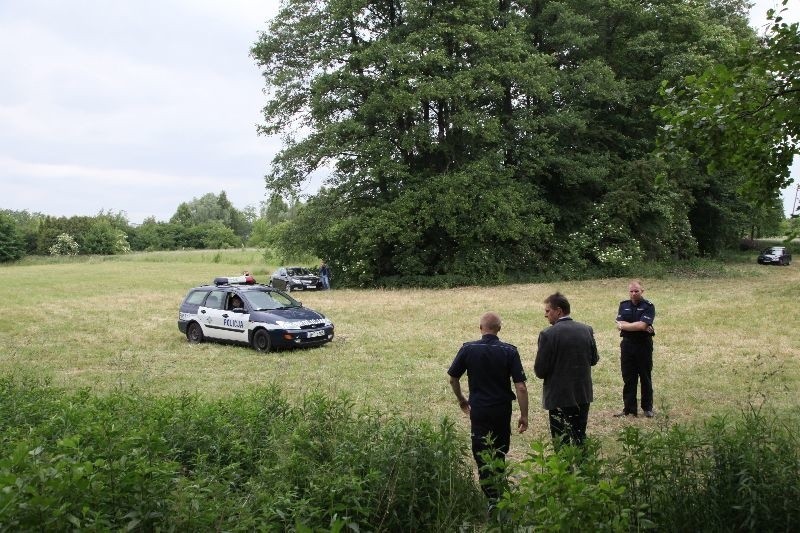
(564,360)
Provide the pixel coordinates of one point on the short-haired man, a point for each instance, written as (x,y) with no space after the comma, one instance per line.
(635,324)
(566,354)
(491,365)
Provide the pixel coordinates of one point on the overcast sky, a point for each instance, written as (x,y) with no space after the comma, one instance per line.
(137,106)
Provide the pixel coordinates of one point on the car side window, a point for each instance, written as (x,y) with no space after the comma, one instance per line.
(196,297)
(234,301)
(216,300)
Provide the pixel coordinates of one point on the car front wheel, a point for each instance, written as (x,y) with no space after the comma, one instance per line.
(261,341)
(194,333)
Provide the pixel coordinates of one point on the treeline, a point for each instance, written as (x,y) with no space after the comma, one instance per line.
(257,462)
(208,222)
(484,139)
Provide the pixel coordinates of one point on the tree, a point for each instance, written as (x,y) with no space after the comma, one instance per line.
(103,239)
(210,208)
(12,242)
(744,117)
(472,138)
(28,226)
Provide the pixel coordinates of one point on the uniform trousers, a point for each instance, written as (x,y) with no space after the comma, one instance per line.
(491,430)
(636,362)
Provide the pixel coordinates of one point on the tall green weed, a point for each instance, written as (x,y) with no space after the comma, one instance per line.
(252,461)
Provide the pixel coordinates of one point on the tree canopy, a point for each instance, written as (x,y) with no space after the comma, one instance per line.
(211,208)
(479,138)
(743,117)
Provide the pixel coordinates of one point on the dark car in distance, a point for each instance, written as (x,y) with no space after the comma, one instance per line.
(295,279)
(775,255)
(240,311)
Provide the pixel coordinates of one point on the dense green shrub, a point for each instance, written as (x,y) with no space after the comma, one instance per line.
(730,474)
(565,490)
(103,239)
(12,242)
(739,474)
(253,461)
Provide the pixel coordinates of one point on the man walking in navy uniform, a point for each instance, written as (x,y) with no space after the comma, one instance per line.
(635,324)
(491,366)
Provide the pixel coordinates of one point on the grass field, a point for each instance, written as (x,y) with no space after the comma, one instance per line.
(102,323)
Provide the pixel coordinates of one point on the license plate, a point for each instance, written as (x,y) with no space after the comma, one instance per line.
(312,334)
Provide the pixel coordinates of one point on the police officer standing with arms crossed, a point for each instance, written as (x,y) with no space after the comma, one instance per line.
(635,324)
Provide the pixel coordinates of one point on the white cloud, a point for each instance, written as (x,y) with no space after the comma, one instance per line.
(134,106)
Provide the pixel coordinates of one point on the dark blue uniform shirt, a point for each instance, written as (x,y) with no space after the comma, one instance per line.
(644,312)
(490,365)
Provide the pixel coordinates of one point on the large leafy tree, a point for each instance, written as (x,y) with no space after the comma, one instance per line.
(474,138)
(212,208)
(12,242)
(741,119)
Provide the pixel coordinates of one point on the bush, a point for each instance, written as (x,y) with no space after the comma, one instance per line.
(64,245)
(12,242)
(565,490)
(253,461)
(730,474)
(727,475)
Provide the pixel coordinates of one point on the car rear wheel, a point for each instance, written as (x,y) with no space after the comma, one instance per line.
(261,341)
(194,333)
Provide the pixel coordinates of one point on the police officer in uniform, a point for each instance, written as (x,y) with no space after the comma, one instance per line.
(491,366)
(635,324)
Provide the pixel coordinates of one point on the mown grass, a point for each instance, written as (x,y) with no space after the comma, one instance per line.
(721,341)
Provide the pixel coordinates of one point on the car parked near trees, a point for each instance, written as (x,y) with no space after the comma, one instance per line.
(295,279)
(241,311)
(775,255)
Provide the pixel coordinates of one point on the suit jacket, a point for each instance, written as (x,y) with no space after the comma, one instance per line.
(564,360)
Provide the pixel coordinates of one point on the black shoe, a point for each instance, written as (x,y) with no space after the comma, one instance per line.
(623,413)
(649,414)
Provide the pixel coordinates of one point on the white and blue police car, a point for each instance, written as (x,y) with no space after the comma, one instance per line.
(238,310)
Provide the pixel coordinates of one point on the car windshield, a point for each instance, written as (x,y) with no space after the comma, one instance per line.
(268,300)
(297,271)
(773,251)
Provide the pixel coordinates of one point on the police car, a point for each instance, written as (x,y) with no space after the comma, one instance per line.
(237,309)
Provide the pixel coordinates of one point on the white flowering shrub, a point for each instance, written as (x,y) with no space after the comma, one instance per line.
(121,246)
(65,245)
(604,244)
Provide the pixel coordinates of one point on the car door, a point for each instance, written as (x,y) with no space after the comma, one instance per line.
(220,322)
(279,279)
(235,318)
